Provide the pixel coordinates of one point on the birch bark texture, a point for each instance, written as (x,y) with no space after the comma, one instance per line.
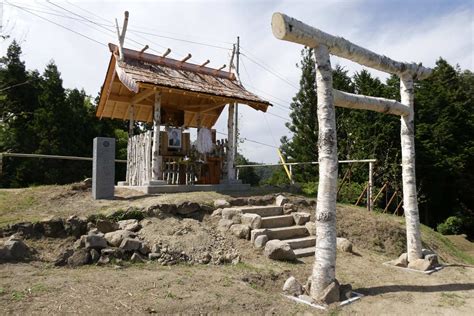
(290,29)
(230,143)
(363,102)
(155,159)
(410,203)
(324,268)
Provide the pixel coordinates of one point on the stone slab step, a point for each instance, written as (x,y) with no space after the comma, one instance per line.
(263,211)
(303,242)
(304,252)
(277,221)
(287,232)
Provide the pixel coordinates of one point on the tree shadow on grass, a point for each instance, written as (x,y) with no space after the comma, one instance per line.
(453,287)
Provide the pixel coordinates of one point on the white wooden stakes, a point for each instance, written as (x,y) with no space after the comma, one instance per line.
(155,159)
(290,29)
(370,188)
(410,205)
(324,268)
(230,143)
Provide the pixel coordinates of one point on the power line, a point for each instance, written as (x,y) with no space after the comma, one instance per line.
(249,140)
(270,71)
(144,28)
(58,24)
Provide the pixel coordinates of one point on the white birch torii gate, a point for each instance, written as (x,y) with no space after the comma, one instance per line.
(290,29)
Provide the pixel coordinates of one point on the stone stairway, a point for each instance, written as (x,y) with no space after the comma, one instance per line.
(276,225)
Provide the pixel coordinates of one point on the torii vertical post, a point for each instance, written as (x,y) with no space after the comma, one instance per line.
(410,204)
(155,154)
(324,269)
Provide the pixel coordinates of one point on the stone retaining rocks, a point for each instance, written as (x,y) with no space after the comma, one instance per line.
(330,294)
(311,227)
(221,204)
(130,225)
(186,208)
(75,226)
(254,221)
(301,218)
(53,228)
(260,241)
(278,250)
(14,249)
(289,208)
(115,238)
(280,200)
(402,261)
(79,257)
(258,232)
(240,230)
(95,242)
(106,226)
(292,287)
(224,224)
(344,245)
(129,244)
(233,214)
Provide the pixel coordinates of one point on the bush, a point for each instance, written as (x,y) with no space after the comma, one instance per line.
(453,225)
(310,188)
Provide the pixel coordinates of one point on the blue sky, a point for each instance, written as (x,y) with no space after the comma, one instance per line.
(419,31)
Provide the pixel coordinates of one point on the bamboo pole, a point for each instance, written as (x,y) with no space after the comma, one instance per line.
(390,202)
(381,190)
(361,195)
(370,187)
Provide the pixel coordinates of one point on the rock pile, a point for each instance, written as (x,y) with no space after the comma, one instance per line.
(112,241)
(333,293)
(14,249)
(429,261)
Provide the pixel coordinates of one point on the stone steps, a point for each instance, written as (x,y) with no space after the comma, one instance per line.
(277,221)
(287,232)
(304,242)
(263,211)
(304,252)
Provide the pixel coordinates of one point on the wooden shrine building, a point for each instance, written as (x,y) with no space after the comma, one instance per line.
(172,96)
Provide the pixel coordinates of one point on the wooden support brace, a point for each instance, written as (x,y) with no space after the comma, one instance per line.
(362,195)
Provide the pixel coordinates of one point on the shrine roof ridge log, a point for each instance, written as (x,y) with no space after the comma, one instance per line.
(290,29)
(172,63)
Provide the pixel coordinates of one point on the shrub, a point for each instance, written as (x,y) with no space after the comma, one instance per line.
(453,225)
(131,213)
(310,188)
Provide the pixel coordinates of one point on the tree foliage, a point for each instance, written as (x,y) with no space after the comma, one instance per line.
(38,115)
(444,129)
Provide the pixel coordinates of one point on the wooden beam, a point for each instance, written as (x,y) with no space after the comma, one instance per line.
(168,51)
(173,63)
(362,102)
(289,29)
(142,95)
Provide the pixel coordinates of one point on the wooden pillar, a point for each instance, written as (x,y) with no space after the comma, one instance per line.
(410,203)
(131,122)
(230,143)
(370,187)
(324,268)
(155,156)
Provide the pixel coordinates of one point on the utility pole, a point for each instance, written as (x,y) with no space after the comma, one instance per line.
(236,126)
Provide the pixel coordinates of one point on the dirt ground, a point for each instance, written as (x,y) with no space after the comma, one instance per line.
(252,286)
